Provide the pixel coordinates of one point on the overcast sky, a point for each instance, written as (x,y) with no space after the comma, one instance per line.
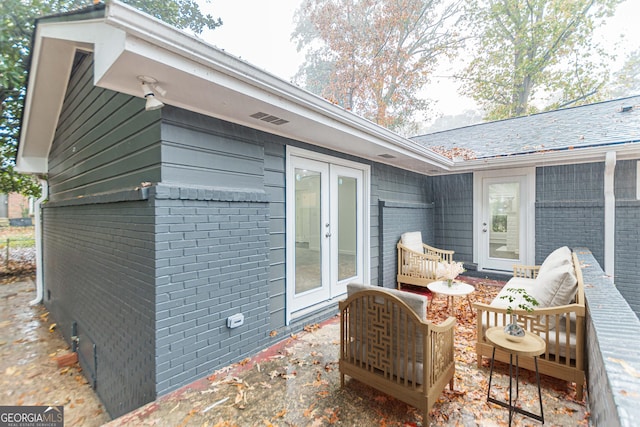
(259,32)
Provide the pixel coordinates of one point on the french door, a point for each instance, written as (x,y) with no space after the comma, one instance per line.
(326,219)
(504,219)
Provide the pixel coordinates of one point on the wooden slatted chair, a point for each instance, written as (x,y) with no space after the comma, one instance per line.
(419,264)
(387,343)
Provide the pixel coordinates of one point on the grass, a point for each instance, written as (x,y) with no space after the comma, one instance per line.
(16,253)
(17,237)
(17,233)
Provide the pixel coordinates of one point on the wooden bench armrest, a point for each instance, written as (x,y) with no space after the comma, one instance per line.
(448,324)
(578,309)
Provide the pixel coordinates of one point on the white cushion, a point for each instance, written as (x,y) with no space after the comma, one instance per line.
(412,240)
(556,287)
(561,256)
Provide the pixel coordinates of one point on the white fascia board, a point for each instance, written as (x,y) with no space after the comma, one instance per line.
(55,45)
(53,60)
(32,165)
(104,40)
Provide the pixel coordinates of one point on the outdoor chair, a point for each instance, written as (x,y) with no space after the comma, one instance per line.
(420,264)
(387,343)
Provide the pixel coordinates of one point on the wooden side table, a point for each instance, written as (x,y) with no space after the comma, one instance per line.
(531,345)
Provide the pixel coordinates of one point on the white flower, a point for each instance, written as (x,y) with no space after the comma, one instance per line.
(451,270)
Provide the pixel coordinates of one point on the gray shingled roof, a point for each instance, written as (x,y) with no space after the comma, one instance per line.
(603,123)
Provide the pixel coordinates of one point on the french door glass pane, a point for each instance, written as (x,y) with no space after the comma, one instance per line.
(504,226)
(347,227)
(308,228)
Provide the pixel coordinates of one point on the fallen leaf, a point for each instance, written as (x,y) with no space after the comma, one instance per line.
(309,411)
(630,370)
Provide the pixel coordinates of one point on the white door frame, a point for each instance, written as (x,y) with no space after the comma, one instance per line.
(527,223)
(363,233)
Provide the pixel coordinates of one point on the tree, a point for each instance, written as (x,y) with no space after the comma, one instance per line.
(16,27)
(535,50)
(371,56)
(626,81)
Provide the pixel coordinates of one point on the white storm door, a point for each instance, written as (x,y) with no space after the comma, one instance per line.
(346,228)
(326,229)
(505,224)
(311,229)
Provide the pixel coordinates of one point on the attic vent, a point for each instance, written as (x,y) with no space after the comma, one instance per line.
(386,156)
(266,117)
(626,109)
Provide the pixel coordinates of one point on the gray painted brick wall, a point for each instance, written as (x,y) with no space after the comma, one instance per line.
(573,224)
(398,204)
(627,233)
(570,182)
(627,253)
(397,218)
(212,262)
(612,350)
(99,272)
(570,208)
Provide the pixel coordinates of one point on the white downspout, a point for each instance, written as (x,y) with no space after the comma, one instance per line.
(38,226)
(609,213)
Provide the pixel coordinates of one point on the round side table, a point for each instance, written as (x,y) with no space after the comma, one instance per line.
(531,345)
(458,289)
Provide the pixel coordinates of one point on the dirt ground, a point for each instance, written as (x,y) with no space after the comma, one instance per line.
(29,373)
(293,383)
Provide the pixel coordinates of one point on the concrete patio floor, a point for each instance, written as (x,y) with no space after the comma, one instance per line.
(296,383)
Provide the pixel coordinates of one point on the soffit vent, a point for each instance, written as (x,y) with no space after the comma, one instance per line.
(266,117)
(386,156)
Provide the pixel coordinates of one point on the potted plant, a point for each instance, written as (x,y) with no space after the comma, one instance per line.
(526,302)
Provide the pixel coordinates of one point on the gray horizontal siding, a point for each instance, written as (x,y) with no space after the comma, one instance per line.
(274,182)
(198,150)
(452,196)
(104,141)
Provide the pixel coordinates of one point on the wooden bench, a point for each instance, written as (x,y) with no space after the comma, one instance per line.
(386,343)
(562,327)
